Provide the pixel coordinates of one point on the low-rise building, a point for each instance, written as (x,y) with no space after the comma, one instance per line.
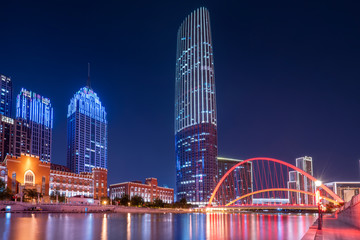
(149,190)
(29,172)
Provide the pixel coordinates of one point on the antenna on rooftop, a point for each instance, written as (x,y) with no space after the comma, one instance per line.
(88,80)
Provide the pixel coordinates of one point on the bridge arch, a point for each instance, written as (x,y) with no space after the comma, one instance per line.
(331,193)
(278,189)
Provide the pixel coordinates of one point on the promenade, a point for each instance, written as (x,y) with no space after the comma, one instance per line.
(332,229)
(21,207)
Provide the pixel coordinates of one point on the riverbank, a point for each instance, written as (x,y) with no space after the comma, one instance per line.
(332,228)
(21,207)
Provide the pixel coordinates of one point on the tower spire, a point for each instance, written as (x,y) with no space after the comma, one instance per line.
(88,80)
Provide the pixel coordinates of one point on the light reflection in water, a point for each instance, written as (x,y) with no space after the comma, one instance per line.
(154,226)
(128,227)
(104,229)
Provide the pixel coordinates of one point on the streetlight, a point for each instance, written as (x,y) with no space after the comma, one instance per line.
(318,202)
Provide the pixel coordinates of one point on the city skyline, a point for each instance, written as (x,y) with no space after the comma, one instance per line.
(307,111)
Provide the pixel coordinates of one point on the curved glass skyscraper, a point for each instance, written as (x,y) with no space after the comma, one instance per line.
(195,110)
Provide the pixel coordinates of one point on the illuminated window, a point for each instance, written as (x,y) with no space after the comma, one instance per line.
(29,177)
(13,182)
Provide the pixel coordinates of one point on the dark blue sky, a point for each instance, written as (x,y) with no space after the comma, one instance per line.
(287,77)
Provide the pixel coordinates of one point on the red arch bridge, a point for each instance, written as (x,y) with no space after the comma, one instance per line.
(268,183)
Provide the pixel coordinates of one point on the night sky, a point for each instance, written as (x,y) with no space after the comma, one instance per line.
(287,77)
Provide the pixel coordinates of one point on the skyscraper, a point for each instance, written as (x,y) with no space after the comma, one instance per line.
(6,96)
(86,132)
(195,110)
(300,182)
(15,137)
(238,183)
(37,112)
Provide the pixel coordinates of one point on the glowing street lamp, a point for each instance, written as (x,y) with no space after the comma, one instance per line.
(318,183)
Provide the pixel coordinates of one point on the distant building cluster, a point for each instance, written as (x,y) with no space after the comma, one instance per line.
(26,144)
(345,190)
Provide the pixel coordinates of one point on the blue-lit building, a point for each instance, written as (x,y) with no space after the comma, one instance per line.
(195,110)
(86,132)
(5,96)
(36,111)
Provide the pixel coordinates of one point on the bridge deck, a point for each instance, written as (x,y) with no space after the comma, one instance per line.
(270,207)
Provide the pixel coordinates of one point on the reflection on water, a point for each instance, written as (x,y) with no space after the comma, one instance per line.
(154,226)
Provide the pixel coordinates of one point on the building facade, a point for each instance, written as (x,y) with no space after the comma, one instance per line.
(238,183)
(86,132)
(29,172)
(148,191)
(195,110)
(15,137)
(345,190)
(300,182)
(37,112)
(6,96)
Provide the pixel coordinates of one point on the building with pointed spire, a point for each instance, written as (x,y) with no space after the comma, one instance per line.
(86,131)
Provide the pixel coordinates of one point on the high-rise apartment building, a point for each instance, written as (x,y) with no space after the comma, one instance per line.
(37,112)
(15,137)
(300,182)
(195,110)
(238,183)
(6,96)
(86,132)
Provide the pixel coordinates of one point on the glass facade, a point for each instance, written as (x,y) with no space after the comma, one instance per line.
(86,132)
(6,96)
(238,183)
(195,110)
(37,112)
(15,137)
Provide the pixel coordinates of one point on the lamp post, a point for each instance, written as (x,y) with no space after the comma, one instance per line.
(318,198)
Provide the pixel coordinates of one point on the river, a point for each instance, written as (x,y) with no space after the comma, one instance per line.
(153,226)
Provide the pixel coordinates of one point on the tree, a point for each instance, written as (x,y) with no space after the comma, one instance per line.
(183,202)
(31,194)
(124,200)
(158,203)
(5,192)
(136,201)
(56,196)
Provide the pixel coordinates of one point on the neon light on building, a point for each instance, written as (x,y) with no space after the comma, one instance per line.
(195,110)
(87,132)
(5,96)
(37,111)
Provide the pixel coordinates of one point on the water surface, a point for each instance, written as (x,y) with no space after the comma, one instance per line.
(153,226)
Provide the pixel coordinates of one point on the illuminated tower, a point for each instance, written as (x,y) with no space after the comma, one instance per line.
(195,110)
(36,111)
(5,96)
(86,132)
